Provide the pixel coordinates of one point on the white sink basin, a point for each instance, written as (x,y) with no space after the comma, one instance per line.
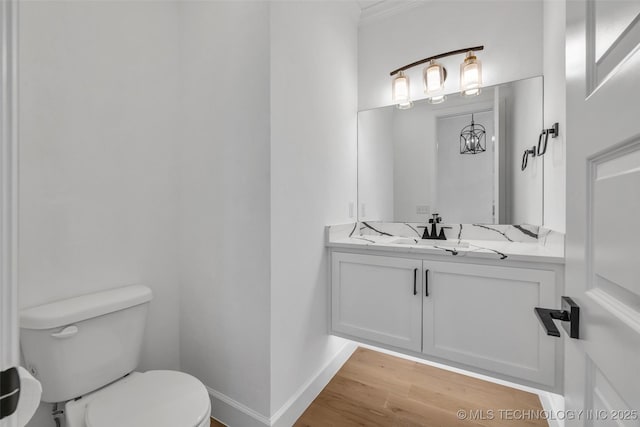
(430,242)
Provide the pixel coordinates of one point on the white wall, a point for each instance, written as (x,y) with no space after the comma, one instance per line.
(313,177)
(147,158)
(224,200)
(375,164)
(524,120)
(554,13)
(262,166)
(511,32)
(97,158)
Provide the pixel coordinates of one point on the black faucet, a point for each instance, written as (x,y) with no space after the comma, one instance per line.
(434,235)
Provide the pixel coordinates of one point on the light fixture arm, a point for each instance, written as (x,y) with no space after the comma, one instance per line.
(431,58)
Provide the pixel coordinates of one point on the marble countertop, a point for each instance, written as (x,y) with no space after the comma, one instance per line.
(501,242)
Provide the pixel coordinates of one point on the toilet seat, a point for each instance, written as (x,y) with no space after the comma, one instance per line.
(154,398)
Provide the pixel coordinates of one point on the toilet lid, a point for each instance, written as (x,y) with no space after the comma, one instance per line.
(155,398)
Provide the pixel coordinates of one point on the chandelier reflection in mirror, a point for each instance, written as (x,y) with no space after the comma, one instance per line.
(473,138)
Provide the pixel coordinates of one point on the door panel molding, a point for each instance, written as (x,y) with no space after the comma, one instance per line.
(602,400)
(624,313)
(599,70)
(612,203)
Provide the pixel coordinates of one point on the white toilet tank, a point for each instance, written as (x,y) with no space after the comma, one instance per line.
(78,345)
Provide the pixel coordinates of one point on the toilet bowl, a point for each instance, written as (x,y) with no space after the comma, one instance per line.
(84,351)
(152,398)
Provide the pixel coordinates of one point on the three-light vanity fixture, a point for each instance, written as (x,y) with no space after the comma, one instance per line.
(434,76)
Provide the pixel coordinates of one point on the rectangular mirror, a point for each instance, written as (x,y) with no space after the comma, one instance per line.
(429,159)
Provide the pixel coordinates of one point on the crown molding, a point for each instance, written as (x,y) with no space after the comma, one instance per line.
(386,8)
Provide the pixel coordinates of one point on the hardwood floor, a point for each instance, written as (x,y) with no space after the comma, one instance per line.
(375,389)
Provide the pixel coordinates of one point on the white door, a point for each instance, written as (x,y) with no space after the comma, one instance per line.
(8,213)
(602,368)
(377,298)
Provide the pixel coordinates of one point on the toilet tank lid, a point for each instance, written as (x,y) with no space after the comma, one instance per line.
(65,312)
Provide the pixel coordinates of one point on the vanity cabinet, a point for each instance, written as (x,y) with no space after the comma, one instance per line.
(482,316)
(477,316)
(378,299)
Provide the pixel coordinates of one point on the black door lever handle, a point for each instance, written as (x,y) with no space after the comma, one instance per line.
(546,316)
(570,314)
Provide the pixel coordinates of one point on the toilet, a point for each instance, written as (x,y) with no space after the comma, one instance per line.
(84,351)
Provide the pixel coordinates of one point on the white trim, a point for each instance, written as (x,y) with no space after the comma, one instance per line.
(300,401)
(385,9)
(8,189)
(616,307)
(8,185)
(552,404)
(233,413)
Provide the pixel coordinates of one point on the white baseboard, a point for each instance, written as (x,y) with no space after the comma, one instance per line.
(300,401)
(552,404)
(234,414)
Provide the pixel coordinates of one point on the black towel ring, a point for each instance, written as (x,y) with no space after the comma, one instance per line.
(553,131)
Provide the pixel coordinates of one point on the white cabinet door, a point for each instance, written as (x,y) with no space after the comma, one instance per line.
(377,298)
(483,316)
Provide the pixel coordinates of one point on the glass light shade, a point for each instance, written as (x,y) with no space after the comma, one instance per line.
(470,76)
(433,78)
(437,99)
(400,91)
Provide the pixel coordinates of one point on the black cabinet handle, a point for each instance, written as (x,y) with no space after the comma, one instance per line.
(426,283)
(415,279)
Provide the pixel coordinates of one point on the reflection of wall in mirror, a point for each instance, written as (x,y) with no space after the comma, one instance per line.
(396,163)
(414,163)
(465,192)
(522,102)
(375,164)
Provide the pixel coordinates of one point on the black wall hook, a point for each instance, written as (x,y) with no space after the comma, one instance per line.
(553,131)
(525,157)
